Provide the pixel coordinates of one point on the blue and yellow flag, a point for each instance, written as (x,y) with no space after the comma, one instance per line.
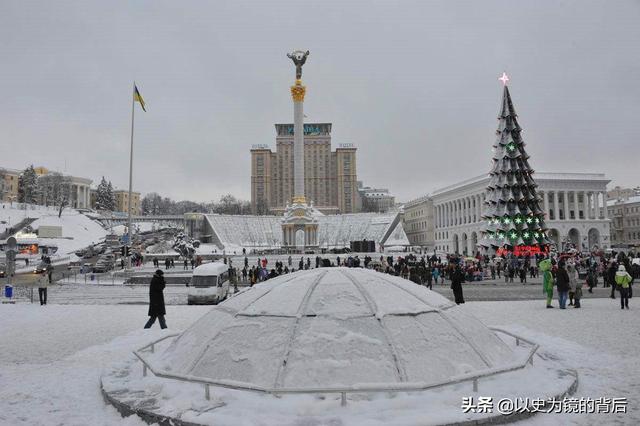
(137,97)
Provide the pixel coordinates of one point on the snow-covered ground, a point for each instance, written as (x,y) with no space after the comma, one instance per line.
(52,357)
(78,230)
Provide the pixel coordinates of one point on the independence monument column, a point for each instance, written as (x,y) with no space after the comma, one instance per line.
(297,93)
(299,225)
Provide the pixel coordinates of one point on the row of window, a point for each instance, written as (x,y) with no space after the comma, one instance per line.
(418,225)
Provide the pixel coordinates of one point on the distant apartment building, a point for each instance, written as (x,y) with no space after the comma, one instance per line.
(418,222)
(619,193)
(9,184)
(377,200)
(122,201)
(625,221)
(330,176)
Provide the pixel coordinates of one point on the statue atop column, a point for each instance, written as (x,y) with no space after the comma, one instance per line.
(299,58)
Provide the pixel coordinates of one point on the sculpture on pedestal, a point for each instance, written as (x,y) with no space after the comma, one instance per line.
(299,58)
(299,225)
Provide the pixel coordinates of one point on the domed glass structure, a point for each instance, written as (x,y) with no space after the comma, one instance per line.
(332,328)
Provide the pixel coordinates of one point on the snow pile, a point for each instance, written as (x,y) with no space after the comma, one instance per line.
(78,230)
(335,327)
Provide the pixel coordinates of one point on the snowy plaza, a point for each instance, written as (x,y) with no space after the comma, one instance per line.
(53,359)
(444,229)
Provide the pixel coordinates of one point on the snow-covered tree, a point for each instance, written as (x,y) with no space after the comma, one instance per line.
(28,186)
(54,189)
(185,245)
(151,203)
(111,197)
(102,196)
(2,186)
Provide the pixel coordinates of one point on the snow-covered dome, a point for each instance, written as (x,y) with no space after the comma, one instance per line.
(333,327)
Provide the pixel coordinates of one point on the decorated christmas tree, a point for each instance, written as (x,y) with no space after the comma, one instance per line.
(514,219)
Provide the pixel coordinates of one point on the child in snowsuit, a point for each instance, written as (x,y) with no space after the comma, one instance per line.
(623,279)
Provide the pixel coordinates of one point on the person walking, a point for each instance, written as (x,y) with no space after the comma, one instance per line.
(43,283)
(429,278)
(457,277)
(547,280)
(573,281)
(562,278)
(156,300)
(623,280)
(611,277)
(436,274)
(592,279)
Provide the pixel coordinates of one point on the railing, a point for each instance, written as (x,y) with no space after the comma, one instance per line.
(343,391)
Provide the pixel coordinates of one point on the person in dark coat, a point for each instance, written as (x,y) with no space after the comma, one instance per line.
(156,300)
(457,277)
(563,284)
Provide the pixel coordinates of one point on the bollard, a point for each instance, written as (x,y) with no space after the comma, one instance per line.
(475,385)
(152,349)
(531,360)
(206,392)
(343,399)
(517,341)
(144,369)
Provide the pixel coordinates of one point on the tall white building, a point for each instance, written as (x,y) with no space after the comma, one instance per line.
(574,206)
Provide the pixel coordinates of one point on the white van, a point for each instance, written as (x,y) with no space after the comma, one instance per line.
(209,284)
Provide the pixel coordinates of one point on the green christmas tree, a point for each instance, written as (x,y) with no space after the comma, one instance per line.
(513,213)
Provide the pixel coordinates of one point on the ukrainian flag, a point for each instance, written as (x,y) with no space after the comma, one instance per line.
(137,97)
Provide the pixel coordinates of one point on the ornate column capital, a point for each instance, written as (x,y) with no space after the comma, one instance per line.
(298,91)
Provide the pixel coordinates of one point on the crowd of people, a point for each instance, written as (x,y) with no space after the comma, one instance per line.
(568,273)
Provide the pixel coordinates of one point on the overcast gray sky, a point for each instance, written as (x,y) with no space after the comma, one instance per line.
(412,84)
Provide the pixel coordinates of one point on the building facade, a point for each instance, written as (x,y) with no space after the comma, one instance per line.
(625,222)
(619,193)
(330,177)
(574,206)
(9,185)
(76,189)
(122,201)
(377,200)
(418,223)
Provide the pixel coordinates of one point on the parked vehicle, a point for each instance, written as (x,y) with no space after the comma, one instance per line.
(43,267)
(102,266)
(209,284)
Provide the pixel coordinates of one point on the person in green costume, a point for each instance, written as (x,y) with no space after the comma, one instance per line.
(547,280)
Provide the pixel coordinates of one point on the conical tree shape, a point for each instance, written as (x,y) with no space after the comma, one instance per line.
(513,214)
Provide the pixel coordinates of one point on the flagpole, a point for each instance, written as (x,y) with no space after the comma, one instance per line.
(133,109)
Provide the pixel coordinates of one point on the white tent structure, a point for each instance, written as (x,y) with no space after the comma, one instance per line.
(265,232)
(334,327)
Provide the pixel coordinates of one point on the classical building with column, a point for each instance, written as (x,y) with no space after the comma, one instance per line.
(574,206)
(79,188)
(80,192)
